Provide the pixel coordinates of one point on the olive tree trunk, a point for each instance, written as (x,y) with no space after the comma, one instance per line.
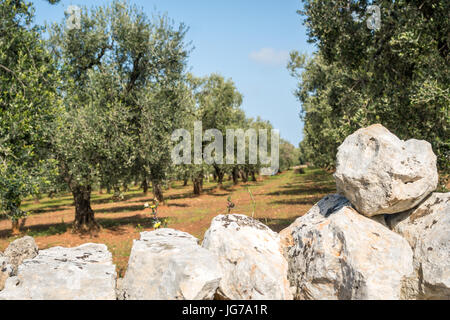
(84,215)
(220,173)
(244,176)
(15,227)
(198,184)
(235,174)
(157,190)
(145,186)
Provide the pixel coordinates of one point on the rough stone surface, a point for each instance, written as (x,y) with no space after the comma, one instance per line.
(84,272)
(251,258)
(169,264)
(427,229)
(19,250)
(333,203)
(340,254)
(5,271)
(381,174)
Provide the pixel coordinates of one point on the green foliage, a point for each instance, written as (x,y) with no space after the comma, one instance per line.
(123,88)
(153,58)
(93,141)
(52,230)
(28,105)
(397,76)
(219,104)
(156,221)
(289,155)
(96,105)
(230,205)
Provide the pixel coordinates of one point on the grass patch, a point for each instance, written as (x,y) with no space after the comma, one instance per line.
(52,230)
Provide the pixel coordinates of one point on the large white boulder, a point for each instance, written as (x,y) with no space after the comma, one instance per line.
(339,254)
(327,205)
(427,229)
(251,259)
(381,174)
(82,273)
(169,264)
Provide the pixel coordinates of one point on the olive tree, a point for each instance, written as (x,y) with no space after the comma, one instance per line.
(219,108)
(120,71)
(28,105)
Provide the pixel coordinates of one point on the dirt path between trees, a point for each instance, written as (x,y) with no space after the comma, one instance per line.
(279,201)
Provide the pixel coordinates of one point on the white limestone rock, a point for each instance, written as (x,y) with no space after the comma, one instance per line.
(339,254)
(251,259)
(82,273)
(427,229)
(168,264)
(381,174)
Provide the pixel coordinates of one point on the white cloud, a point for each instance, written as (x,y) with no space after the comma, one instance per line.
(270,56)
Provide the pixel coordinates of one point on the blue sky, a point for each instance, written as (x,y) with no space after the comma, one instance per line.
(246,40)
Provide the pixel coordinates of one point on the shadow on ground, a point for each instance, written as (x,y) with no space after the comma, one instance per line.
(277,224)
(300,201)
(303,190)
(113,224)
(120,209)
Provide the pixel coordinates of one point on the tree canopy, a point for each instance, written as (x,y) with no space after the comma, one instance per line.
(28,105)
(122,94)
(397,75)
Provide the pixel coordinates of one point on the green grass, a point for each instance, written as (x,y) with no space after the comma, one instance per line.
(52,230)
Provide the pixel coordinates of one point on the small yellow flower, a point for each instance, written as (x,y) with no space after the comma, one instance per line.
(157,225)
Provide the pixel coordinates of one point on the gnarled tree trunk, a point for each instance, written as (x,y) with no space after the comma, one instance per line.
(84,215)
(235,174)
(157,190)
(145,186)
(198,184)
(116,195)
(15,227)
(244,176)
(219,174)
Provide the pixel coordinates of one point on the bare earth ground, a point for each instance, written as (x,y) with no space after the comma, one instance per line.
(279,201)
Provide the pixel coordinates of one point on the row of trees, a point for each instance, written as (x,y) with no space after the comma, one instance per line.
(397,76)
(95,107)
